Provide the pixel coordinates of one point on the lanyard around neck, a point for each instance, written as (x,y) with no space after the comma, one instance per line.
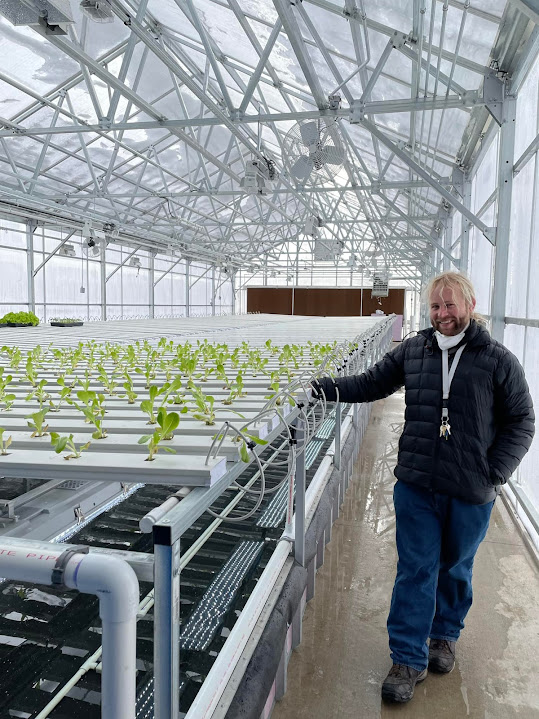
(448,374)
(447,378)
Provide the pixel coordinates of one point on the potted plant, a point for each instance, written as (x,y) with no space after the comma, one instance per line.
(20,319)
(66,322)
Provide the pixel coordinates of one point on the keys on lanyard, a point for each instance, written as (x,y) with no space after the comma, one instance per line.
(445,429)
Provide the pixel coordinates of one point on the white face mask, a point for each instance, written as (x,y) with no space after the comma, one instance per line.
(445,342)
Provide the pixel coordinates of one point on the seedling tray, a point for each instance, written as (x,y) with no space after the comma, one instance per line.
(66,324)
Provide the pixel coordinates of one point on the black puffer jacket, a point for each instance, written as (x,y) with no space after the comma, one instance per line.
(490,413)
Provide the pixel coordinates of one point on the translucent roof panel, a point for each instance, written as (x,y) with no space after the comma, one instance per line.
(173,124)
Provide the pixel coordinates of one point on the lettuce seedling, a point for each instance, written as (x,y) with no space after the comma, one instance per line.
(109,382)
(40,393)
(8,401)
(4,443)
(147,405)
(204,403)
(94,411)
(61,443)
(148,372)
(129,392)
(31,371)
(35,421)
(167,423)
(4,382)
(65,394)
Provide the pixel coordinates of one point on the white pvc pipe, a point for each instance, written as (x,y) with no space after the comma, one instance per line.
(115,583)
(147,522)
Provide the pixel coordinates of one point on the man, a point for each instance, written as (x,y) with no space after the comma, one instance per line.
(468,423)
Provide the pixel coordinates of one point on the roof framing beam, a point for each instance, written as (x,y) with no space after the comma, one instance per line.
(470,100)
(285,11)
(421,172)
(529,8)
(387,30)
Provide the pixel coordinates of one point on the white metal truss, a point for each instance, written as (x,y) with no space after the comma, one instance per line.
(206,107)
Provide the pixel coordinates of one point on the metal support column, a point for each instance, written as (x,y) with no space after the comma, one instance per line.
(233,284)
(166,630)
(213,293)
(187,288)
(465,227)
(505,190)
(103,268)
(30,229)
(446,264)
(151,280)
(299,537)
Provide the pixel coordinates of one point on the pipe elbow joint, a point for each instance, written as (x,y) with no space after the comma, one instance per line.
(111,579)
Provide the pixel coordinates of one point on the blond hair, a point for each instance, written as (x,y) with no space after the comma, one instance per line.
(454,281)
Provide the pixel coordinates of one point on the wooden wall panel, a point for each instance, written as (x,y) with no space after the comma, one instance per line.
(270,300)
(322,301)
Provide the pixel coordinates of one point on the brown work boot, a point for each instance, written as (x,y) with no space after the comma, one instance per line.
(441,656)
(399,684)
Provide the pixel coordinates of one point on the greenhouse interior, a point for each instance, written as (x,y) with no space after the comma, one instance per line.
(221,228)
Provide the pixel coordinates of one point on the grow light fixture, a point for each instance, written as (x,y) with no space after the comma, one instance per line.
(97,10)
(312,225)
(67,250)
(259,176)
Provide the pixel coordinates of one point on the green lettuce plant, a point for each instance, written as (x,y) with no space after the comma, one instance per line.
(129,391)
(4,443)
(31,371)
(4,383)
(40,393)
(109,381)
(167,423)
(8,401)
(36,422)
(65,394)
(27,318)
(61,443)
(93,409)
(204,404)
(14,354)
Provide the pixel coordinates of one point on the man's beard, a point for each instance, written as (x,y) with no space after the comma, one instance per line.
(455,327)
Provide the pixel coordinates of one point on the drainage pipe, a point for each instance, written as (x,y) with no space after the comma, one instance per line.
(115,584)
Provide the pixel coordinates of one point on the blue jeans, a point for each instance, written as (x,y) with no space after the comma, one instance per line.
(437,538)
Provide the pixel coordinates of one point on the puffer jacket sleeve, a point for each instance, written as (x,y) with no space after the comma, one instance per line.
(515,419)
(379,381)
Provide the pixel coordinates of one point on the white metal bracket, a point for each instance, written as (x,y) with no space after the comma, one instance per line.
(490,234)
(493,94)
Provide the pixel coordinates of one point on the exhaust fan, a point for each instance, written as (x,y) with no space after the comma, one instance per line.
(314,147)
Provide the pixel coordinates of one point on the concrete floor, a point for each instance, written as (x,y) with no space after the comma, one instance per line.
(337,670)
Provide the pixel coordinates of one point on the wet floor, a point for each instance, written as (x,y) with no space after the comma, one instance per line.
(337,670)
